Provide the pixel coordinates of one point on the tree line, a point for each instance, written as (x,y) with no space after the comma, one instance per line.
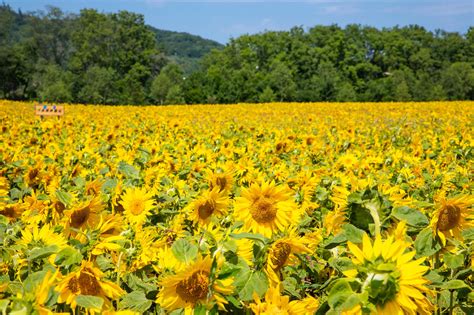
(115,58)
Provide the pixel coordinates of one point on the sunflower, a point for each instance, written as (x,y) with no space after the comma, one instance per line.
(36,210)
(87,280)
(282,253)
(175,229)
(399,232)
(110,225)
(392,279)
(245,250)
(84,215)
(211,203)
(93,188)
(121,312)
(42,293)
(44,236)
(4,188)
(108,244)
(339,198)
(108,234)
(192,286)
(275,303)
(333,221)
(34,174)
(266,208)
(137,204)
(222,180)
(145,248)
(116,197)
(166,260)
(348,161)
(12,211)
(452,216)
(3,288)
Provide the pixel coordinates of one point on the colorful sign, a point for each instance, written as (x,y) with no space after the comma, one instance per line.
(49,110)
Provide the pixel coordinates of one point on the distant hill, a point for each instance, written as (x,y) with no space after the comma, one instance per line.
(184,44)
(184,48)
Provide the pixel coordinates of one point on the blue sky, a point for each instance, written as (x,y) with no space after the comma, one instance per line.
(222,19)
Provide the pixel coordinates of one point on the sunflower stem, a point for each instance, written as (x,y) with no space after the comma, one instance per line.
(119,263)
(375,216)
(436,265)
(451,297)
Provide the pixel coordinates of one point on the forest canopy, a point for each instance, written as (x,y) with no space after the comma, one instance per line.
(115,58)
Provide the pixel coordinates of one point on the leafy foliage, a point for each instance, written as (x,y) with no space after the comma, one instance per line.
(115,58)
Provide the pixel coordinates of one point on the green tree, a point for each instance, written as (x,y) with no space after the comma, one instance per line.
(280,79)
(399,81)
(54,84)
(99,86)
(113,58)
(174,95)
(325,82)
(133,85)
(267,95)
(428,88)
(15,73)
(345,93)
(171,76)
(458,81)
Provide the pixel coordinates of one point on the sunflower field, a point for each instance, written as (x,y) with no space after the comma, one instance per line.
(299,208)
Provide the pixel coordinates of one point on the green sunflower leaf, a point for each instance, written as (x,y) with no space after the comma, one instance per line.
(413,217)
(468,234)
(248,282)
(64,197)
(43,252)
(425,244)
(454,284)
(4,306)
(251,236)
(339,294)
(352,233)
(135,301)
(128,170)
(453,261)
(68,256)
(90,302)
(184,251)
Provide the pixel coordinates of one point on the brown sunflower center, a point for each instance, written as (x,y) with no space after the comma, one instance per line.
(449,217)
(33,173)
(280,255)
(263,210)
(221,182)
(79,217)
(194,288)
(206,209)
(73,285)
(88,283)
(280,146)
(136,207)
(59,207)
(8,212)
(119,206)
(94,191)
